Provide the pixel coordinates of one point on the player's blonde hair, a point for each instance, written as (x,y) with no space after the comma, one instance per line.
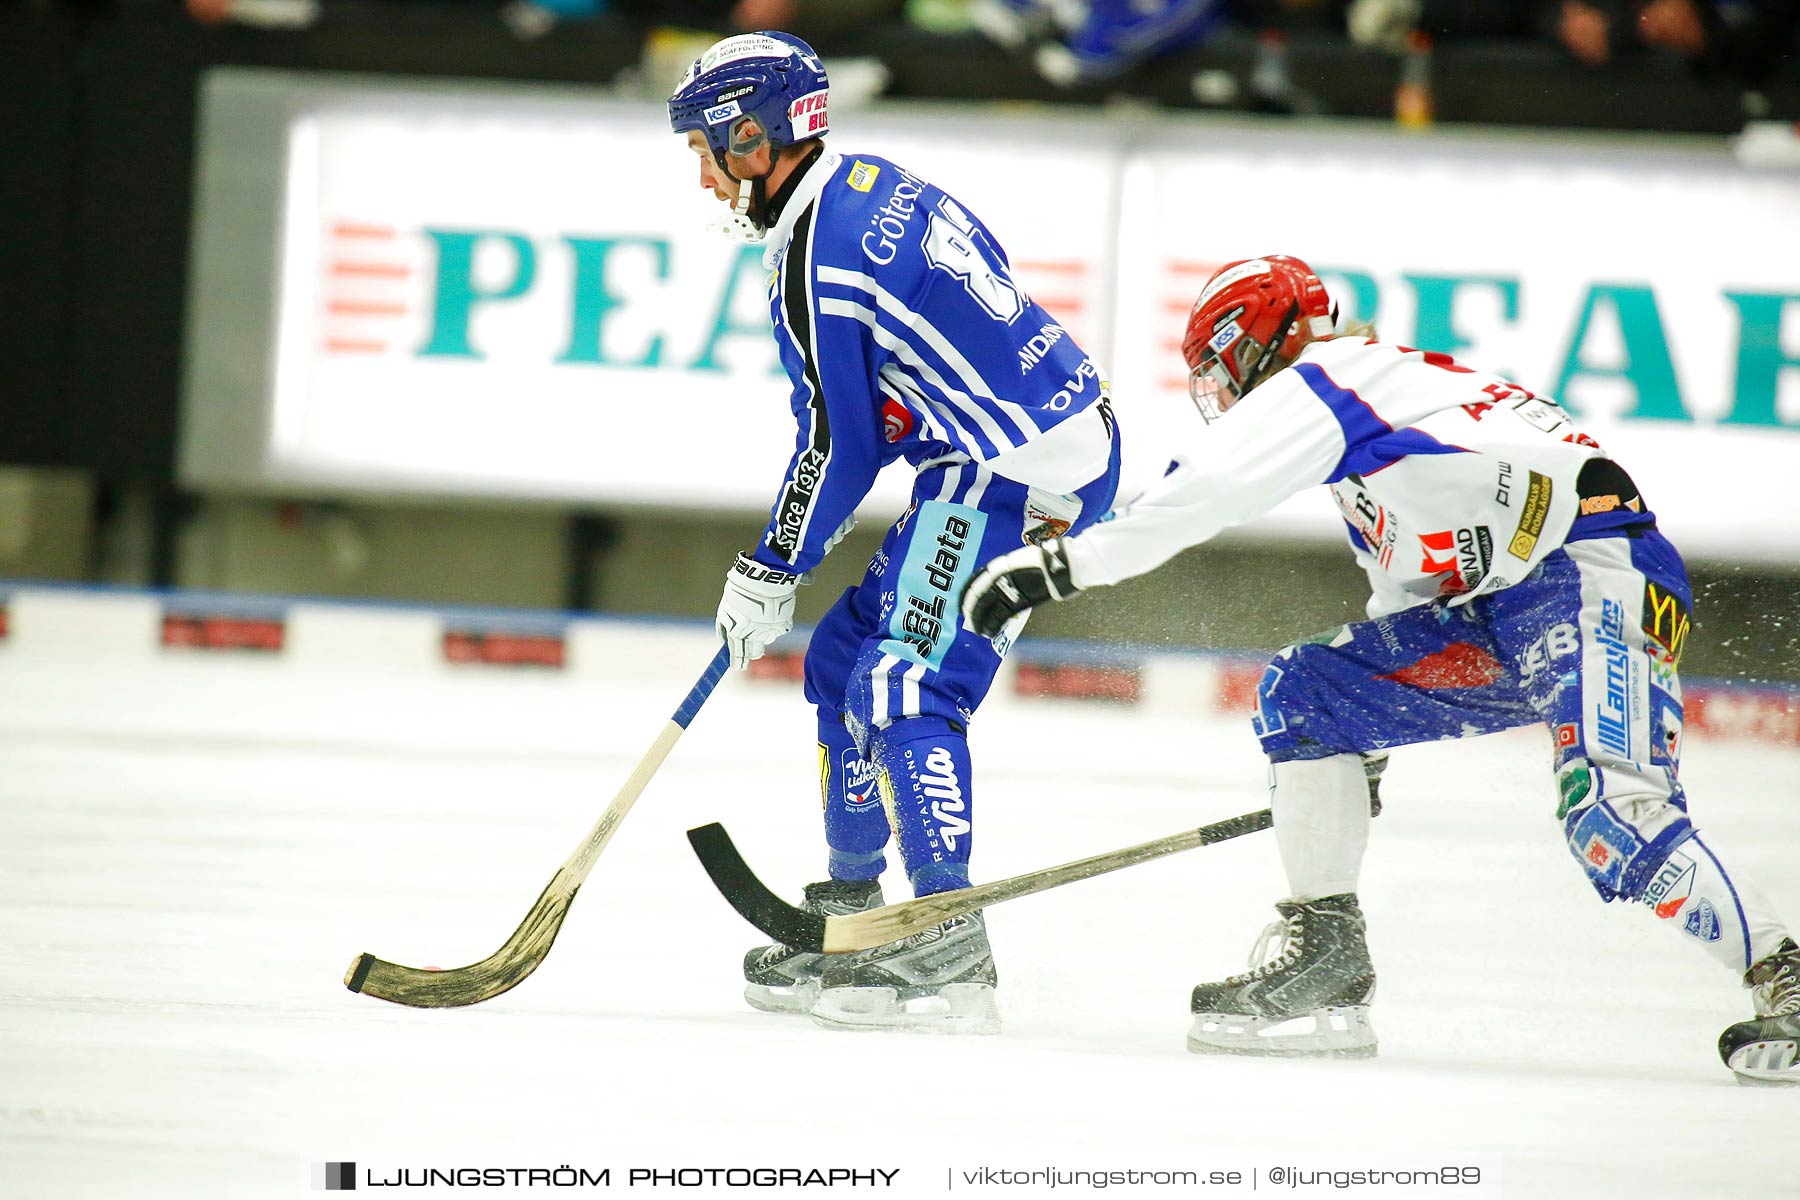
(1360,329)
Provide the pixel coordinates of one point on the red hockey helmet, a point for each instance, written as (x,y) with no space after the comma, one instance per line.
(1250,314)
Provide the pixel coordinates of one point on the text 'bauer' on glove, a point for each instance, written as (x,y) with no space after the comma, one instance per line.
(757,608)
(1015,581)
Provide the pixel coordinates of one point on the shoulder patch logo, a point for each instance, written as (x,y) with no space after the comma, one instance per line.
(863,176)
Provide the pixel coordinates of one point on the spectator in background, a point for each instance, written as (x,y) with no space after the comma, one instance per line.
(1745,40)
(1076,42)
(1293,16)
(1741,40)
(1587,29)
(263,14)
(1115,36)
(819,16)
(1385,24)
(810,19)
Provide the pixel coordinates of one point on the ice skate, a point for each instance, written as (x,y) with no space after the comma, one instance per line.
(938,981)
(780,978)
(1310,999)
(1765,1050)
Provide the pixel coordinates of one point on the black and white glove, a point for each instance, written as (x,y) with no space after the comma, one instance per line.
(1015,581)
(757,608)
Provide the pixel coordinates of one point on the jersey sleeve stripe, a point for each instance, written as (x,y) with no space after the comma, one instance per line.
(801,491)
(913,397)
(1355,417)
(1389,449)
(975,394)
(922,343)
(912,362)
(1433,358)
(1370,443)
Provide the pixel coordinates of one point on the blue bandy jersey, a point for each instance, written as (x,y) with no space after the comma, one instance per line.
(905,336)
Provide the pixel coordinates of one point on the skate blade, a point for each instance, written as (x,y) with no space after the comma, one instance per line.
(1771,1062)
(955,1008)
(1323,1033)
(797,999)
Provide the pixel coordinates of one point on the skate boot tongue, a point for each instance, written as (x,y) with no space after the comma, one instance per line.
(841,897)
(1282,941)
(1774,981)
(1277,942)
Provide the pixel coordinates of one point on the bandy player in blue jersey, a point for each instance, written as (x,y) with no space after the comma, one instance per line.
(904,336)
(1517,578)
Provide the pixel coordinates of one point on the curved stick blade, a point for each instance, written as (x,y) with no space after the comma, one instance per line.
(506,967)
(499,972)
(753,900)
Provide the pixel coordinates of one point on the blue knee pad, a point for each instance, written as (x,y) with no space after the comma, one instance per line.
(1286,701)
(856,826)
(1268,720)
(1618,860)
(925,780)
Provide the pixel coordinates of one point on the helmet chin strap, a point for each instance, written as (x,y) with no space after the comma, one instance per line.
(741,225)
(747,222)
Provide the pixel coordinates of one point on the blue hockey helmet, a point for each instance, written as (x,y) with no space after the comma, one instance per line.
(774,78)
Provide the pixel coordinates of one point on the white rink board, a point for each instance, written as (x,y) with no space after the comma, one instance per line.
(495,296)
(1518,234)
(511,291)
(193,848)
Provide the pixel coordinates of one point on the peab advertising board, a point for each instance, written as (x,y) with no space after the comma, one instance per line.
(466,290)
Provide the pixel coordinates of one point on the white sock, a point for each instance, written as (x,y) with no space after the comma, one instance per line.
(1697,897)
(1321,808)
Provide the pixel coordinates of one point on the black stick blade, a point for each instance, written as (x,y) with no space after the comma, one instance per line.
(754,902)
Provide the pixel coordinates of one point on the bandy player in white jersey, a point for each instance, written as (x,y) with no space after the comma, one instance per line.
(1517,578)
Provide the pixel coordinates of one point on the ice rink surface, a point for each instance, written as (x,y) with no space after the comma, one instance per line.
(192,853)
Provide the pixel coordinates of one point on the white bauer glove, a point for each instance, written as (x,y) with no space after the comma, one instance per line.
(757,608)
(1015,581)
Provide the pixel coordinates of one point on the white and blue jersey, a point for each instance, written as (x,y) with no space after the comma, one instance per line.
(1516,578)
(905,336)
(1453,482)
